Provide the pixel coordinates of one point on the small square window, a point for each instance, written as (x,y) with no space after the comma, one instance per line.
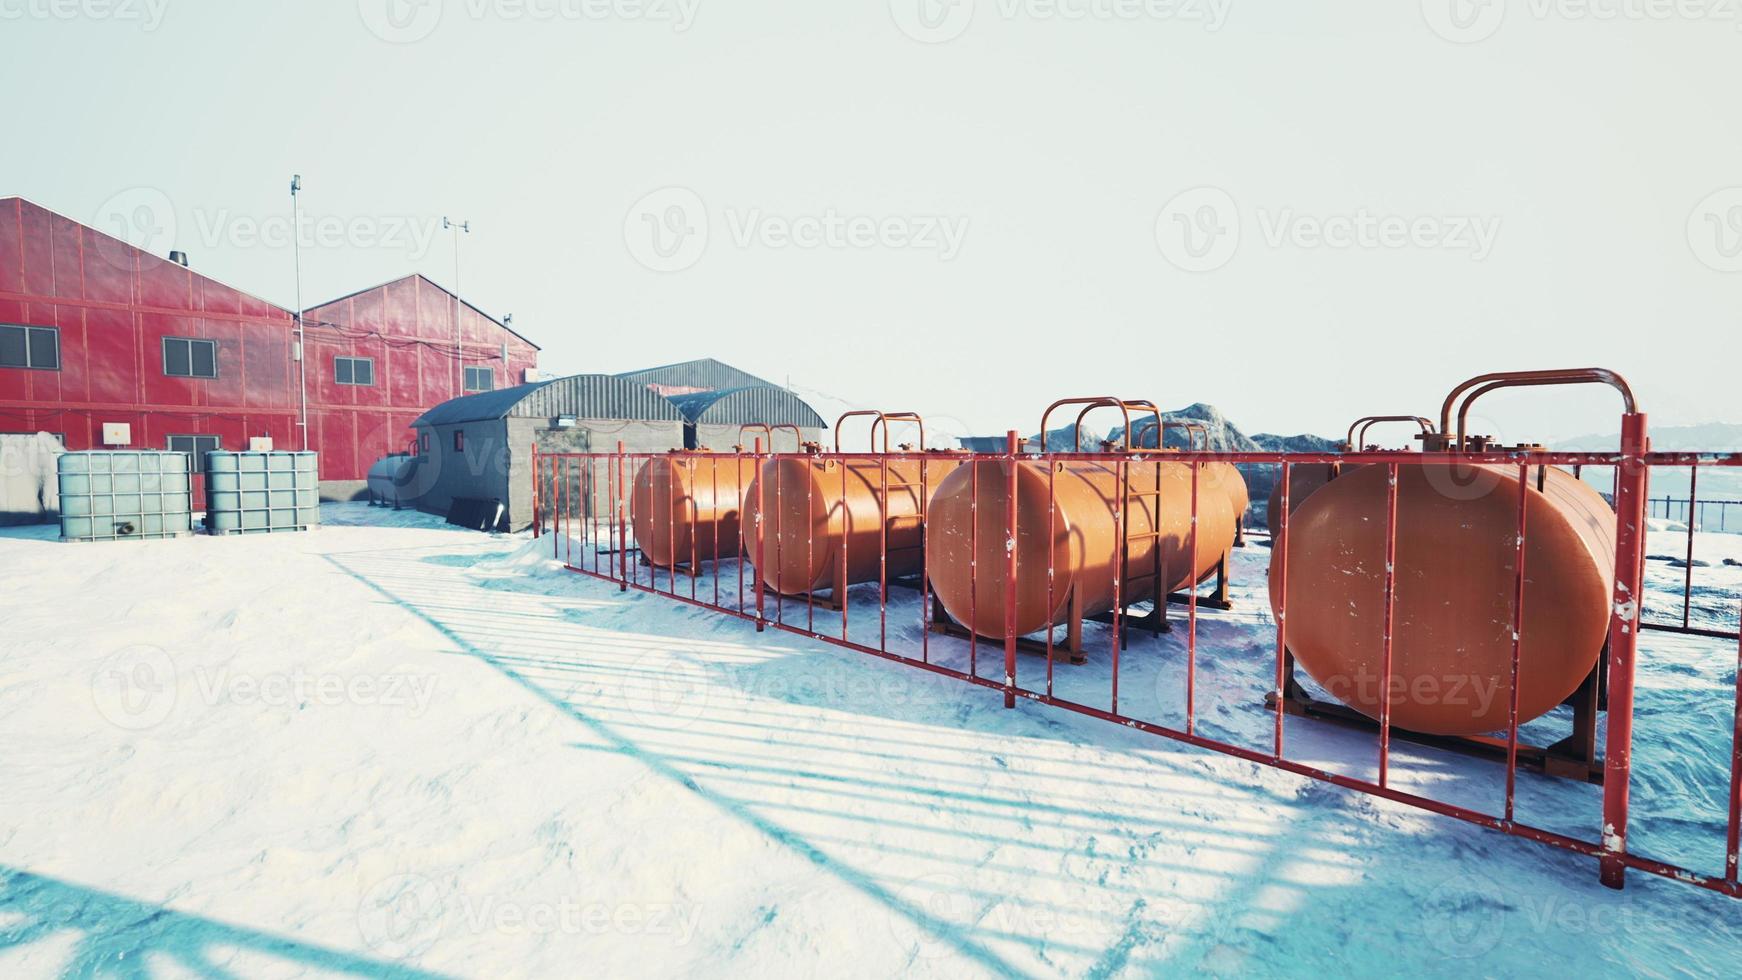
(459,440)
(480,379)
(30,347)
(354,371)
(186,358)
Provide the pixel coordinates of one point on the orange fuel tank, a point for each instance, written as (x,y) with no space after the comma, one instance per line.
(1455,580)
(1239,496)
(1304,479)
(1085,541)
(686,506)
(825,518)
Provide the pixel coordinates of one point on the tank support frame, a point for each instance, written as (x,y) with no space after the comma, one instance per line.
(1574,757)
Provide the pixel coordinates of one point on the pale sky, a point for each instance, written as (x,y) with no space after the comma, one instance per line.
(966,209)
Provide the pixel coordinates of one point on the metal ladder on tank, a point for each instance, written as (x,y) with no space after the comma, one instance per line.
(1156,620)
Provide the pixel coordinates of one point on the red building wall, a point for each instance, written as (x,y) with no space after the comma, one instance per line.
(114,304)
(407,328)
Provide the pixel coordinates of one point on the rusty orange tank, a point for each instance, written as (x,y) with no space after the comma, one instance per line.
(825,518)
(685,507)
(1227,475)
(1303,480)
(1086,537)
(1455,578)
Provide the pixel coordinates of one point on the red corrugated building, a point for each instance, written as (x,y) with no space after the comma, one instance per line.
(405,330)
(95,331)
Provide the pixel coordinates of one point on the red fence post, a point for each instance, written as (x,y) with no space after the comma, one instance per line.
(1012,445)
(1733,837)
(535,514)
(622,525)
(761,555)
(1279,555)
(1630,529)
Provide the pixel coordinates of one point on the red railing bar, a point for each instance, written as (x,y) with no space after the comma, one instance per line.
(761,550)
(813,474)
(1191,597)
(1280,543)
(715,490)
(924,565)
(1122,551)
(974,567)
(1734,837)
(625,509)
(1630,493)
(846,527)
(1052,513)
(883,551)
(1012,444)
(1688,584)
(695,532)
(1517,642)
(1389,622)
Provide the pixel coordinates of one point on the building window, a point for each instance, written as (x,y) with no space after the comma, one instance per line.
(30,347)
(196,447)
(459,440)
(354,370)
(480,379)
(184,358)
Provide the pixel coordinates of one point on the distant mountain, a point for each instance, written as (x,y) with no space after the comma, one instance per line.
(1715,483)
(1297,444)
(1223,436)
(1715,437)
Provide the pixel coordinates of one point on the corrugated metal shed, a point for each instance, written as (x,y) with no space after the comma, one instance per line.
(583,396)
(748,406)
(688,377)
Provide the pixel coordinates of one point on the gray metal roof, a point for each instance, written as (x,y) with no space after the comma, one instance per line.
(703,374)
(748,405)
(583,396)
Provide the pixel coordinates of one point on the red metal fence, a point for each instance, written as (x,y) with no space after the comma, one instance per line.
(582,501)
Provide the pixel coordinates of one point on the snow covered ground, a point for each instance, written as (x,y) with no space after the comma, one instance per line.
(392,748)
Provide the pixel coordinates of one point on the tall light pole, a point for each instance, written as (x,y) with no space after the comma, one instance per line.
(459,348)
(301,349)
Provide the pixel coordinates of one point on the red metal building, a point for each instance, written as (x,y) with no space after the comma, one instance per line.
(404,330)
(95,331)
